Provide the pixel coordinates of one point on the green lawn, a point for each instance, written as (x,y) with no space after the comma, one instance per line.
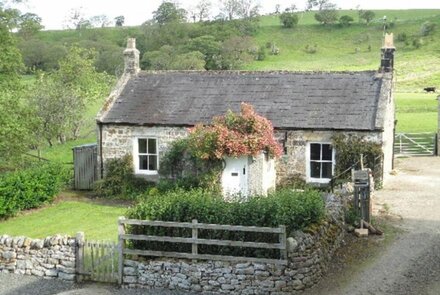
(416,112)
(98,222)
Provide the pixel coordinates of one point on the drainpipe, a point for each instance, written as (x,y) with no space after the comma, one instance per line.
(101,163)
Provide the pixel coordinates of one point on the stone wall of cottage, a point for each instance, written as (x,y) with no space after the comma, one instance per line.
(438,126)
(293,164)
(118,140)
(52,257)
(308,255)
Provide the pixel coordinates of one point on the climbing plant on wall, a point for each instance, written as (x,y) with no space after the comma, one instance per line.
(235,134)
(197,159)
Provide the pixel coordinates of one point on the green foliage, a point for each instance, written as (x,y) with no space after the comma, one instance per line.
(427,28)
(289,19)
(366,15)
(311,49)
(30,188)
(120,181)
(402,37)
(296,210)
(181,168)
(345,20)
(327,15)
(234,135)
(60,100)
(167,59)
(169,12)
(349,149)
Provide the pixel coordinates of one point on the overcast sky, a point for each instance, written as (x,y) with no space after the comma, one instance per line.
(55,12)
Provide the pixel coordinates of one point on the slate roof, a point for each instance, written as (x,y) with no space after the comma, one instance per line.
(291,100)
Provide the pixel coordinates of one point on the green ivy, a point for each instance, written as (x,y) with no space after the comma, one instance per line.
(349,149)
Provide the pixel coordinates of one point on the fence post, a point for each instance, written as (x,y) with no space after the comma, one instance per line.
(283,242)
(121,244)
(195,233)
(79,259)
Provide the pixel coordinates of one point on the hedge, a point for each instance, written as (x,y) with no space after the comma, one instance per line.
(295,210)
(30,188)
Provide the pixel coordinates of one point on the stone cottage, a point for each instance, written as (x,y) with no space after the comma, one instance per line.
(148,110)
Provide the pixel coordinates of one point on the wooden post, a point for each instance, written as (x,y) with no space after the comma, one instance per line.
(195,234)
(79,256)
(283,242)
(121,244)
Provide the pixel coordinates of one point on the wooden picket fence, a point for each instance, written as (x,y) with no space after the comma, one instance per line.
(195,241)
(98,261)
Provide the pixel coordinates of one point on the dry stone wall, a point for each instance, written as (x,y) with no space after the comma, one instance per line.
(308,255)
(52,257)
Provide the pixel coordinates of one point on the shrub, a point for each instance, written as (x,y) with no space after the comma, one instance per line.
(30,188)
(349,149)
(345,20)
(296,210)
(402,37)
(427,28)
(120,181)
(311,49)
(288,19)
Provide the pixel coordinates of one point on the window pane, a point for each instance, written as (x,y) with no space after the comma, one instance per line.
(152,163)
(315,151)
(143,162)
(142,146)
(326,152)
(327,170)
(152,146)
(315,169)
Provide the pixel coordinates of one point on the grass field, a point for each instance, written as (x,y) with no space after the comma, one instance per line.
(416,112)
(97,221)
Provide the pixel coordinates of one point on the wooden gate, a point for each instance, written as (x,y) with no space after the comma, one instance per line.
(415,144)
(85,164)
(98,261)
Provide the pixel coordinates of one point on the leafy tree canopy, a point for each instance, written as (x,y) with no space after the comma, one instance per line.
(169,12)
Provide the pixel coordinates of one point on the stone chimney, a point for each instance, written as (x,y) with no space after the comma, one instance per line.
(388,49)
(131,57)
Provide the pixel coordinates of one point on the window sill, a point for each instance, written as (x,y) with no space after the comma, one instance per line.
(144,172)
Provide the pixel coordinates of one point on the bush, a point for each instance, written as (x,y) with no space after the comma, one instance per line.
(30,188)
(427,28)
(345,20)
(296,210)
(288,19)
(120,181)
(402,37)
(311,49)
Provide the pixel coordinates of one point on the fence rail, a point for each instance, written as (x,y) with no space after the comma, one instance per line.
(195,241)
(415,144)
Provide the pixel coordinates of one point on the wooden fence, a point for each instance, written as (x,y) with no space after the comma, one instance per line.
(97,260)
(415,144)
(194,226)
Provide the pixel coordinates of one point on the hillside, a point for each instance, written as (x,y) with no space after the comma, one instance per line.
(353,48)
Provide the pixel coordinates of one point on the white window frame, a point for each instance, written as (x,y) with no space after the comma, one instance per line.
(136,155)
(308,166)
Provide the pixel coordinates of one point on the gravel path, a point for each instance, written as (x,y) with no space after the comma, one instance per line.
(11,284)
(411,264)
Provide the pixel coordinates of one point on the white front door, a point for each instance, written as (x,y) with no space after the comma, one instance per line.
(235,176)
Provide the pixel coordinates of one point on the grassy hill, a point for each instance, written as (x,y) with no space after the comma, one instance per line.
(352,48)
(356,47)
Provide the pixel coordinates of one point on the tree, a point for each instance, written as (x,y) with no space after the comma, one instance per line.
(327,15)
(345,20)
(203,10)
(277,8)
(288,19)
(60,99)
(320,4)
(166,59)
(29,25)
(366,15)
(235,52)
(169,12)
(16,118)
(119,21)
(100,21)
(249,8)
(230,8)
(209,47)
(76,19)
